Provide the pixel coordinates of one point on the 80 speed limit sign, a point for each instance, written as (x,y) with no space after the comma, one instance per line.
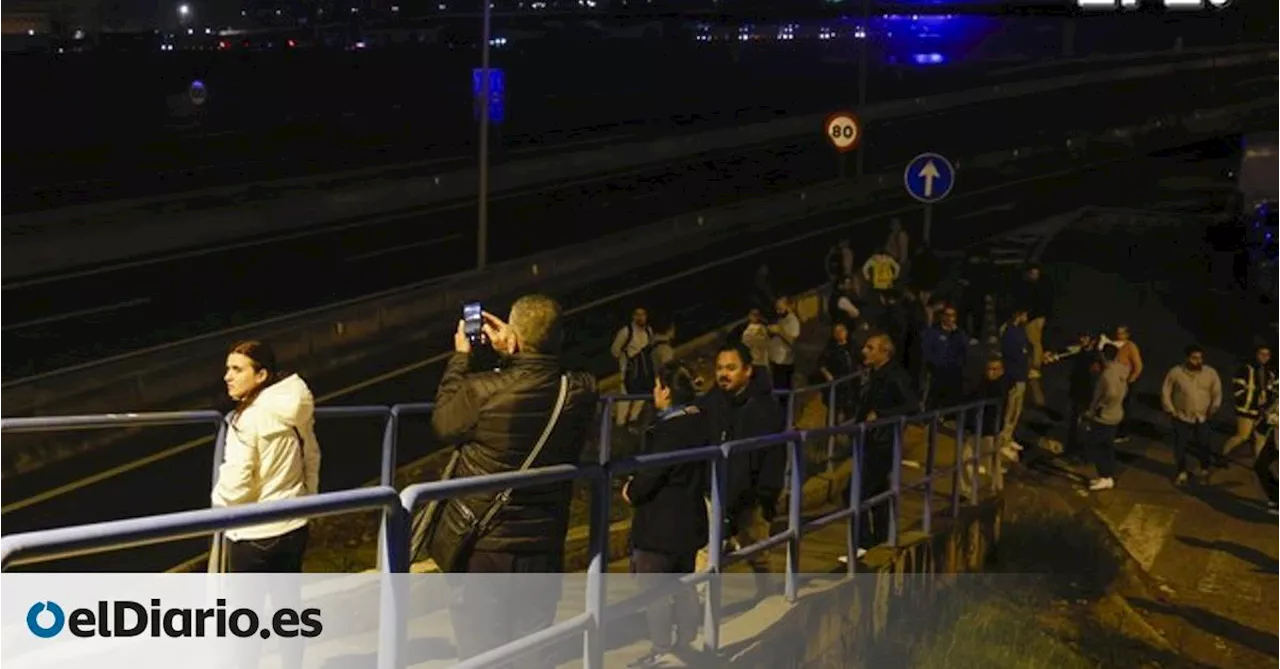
(843,131)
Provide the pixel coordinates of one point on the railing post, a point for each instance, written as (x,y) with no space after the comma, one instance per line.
(832,417)
(594,639)
(795,452)
(980,438)
(715,542)
(855,498)
(217,543)
(895,480)
(606,430)
(393,558)
(970,463)
(390,442)
(790,394)
(928,473)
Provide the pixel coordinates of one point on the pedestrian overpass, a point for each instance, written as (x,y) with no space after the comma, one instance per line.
(924,502)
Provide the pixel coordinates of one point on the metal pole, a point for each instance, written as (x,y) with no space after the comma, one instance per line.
(862,81)
(482,228)
(928,223)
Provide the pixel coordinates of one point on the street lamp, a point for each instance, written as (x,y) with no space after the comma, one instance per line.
(184,11)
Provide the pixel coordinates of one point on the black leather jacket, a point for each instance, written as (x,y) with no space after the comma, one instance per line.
(495,418)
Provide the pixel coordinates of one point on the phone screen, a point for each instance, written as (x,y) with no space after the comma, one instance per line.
(472,319)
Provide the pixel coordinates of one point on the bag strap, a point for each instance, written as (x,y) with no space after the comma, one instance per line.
(505,495)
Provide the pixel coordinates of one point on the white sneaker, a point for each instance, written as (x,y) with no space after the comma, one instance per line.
(911,464)
(844,559)
(1101,484)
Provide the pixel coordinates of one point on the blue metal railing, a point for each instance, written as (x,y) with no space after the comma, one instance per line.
(394,535)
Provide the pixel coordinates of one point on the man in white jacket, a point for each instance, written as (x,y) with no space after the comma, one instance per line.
(271,453)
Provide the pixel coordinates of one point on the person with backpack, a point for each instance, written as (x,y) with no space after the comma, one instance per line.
(632,347)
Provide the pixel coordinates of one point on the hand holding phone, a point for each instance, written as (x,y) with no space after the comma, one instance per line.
(473,323)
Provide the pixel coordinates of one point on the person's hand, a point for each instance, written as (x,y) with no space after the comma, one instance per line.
(461,343)
(871,417)
(499,333)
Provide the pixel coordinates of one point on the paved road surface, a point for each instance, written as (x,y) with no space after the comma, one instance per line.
(699,291)
(53,322)
(1212,549)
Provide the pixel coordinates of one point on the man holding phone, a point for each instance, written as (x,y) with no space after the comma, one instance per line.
(530,413)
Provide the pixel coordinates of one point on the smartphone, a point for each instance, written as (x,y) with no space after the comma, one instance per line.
(473,322)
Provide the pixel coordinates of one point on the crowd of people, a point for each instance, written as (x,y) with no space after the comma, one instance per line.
(902,338)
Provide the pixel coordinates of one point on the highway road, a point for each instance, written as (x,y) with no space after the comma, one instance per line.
(267,122)
(62,320)
(698,291)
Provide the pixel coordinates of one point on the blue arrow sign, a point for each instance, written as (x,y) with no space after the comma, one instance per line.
(929,177)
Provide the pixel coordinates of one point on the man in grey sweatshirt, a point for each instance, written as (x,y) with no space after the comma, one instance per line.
(1191,395)
(1103,416)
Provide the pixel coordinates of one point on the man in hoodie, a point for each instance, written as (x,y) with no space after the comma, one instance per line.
(1191,395)
(1252,388)
(946,348)
(1106,410)
(739,409)
(631,348)
(884,392)
(1015,349)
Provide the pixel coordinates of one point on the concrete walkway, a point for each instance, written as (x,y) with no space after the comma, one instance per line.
(1210,550)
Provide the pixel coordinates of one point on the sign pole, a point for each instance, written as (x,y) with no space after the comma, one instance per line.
(928,222)
(482,205)
(862,76)
(841,166)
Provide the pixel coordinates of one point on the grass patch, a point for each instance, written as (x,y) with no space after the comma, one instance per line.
(1047,601)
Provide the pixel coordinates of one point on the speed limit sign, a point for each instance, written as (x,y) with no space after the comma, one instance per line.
(843,131)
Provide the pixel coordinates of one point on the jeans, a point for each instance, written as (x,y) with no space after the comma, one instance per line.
(1013,410)
(1099,441)
(679,612)
(516,596)
(1265,467)
(1190,439)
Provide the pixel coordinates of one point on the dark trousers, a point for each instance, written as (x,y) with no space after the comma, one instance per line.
(515,595)
(1122,430)
(275,555)
(1264,467)
(679,612)
(1075,429)
(782,375)
(1190,439)
(946,388)
(1099,442)
(877,466)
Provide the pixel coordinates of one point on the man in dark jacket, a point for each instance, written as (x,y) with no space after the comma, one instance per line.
(885,392)
(946,348)
(837,362)
(993,388)
(739,409)
(497,419)
(1085,365)
(670,521)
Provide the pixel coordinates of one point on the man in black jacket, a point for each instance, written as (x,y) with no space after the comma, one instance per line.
(739,409)
(670,521)
(496,419)
(885,392)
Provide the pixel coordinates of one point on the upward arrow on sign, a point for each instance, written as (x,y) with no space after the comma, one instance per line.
(929,172)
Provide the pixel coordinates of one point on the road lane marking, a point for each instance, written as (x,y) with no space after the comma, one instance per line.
(127,304)
(411,367)
(1219,580)
(1144,531)
(403,247)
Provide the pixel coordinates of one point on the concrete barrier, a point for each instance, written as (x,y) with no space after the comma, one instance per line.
(359,331)
(219,217)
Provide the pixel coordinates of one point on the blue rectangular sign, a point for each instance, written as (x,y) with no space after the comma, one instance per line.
(497,92)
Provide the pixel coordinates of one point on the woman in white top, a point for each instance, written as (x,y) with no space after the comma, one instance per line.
(271,454)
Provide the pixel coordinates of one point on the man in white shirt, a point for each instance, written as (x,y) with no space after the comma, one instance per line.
(631,347)
(782,343)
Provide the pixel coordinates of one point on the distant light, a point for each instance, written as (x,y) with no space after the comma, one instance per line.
(208,31)
(359,45)
(191,31)
(395,8)
(927,58)
(277,12)
(443,6)
(31,33)
(79,34)
(355,11)
(292,44)
(184,10)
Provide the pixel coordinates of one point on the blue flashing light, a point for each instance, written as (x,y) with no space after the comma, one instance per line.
(928,58)
(497,81)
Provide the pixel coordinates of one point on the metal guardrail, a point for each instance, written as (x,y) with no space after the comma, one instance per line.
(394,535)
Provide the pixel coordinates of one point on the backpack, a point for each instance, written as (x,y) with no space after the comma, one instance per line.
(638,375)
